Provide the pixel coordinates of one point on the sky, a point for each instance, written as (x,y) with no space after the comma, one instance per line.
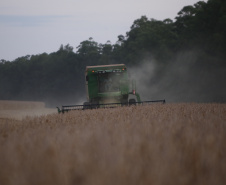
(31,27)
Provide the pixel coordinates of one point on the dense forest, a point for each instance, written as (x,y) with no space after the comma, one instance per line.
(181,60)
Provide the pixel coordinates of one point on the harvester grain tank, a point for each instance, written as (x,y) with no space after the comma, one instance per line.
(108,86)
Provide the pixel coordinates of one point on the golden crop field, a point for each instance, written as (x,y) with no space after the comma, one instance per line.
(156,144)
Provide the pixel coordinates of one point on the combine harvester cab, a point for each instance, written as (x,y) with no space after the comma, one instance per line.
(108,86)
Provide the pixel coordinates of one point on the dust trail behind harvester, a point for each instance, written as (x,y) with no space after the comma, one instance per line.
(184,79)
(21,109)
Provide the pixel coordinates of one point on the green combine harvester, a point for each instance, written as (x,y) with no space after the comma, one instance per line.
(108,86)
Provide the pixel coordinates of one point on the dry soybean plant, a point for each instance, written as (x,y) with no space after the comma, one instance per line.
(156,144)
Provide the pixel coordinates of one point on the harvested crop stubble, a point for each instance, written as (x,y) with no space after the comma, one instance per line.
(16,105)
(21,109)
(156,144)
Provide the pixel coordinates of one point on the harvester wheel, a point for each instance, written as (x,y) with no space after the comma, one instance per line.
(86,105)
(132,102)
(124,102)
(94,106)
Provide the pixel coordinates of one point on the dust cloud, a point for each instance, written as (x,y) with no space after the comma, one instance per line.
(21,109)
(183,79)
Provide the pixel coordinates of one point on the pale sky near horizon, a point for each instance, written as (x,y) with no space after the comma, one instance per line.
(31,27)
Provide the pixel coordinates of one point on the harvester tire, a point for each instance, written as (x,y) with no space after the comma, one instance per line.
(124,102)
(94,106)
(86,105)
(132,102)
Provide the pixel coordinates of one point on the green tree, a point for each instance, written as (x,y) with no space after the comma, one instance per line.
(150,37)
(88,48)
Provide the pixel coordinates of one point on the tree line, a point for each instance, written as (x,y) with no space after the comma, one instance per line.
(188,55)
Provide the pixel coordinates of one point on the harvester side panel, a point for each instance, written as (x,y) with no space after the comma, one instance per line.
(92,85)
